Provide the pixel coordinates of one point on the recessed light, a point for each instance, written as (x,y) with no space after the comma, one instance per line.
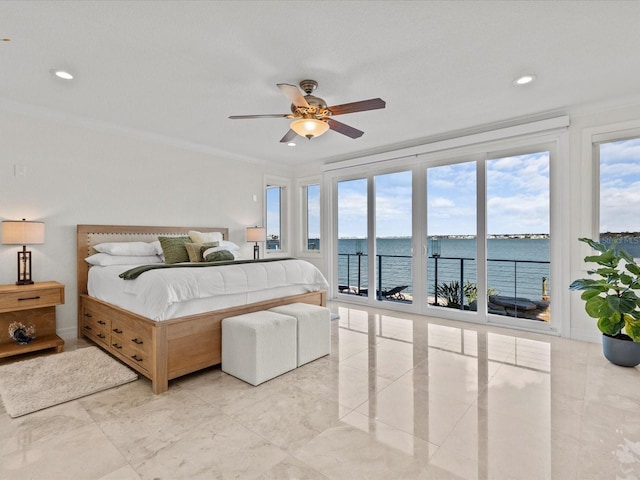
(291,144)
(524,79)
(62,74)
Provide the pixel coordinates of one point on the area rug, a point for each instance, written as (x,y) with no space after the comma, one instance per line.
(43,382)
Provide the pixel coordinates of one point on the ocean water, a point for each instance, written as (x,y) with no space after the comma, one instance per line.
(516,267)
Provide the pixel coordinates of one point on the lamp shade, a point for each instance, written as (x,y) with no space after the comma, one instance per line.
(16,232)
(309,127)
(256,234)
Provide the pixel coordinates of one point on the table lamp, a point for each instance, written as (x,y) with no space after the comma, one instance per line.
(23,233)
(256,234)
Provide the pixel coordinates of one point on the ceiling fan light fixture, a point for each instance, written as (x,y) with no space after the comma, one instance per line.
(309,127)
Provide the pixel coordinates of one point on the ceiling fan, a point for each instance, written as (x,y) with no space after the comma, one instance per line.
(311,116)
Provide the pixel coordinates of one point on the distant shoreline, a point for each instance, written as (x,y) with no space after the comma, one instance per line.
(503,236)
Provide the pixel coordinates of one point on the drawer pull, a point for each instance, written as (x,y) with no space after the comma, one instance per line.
(101,335)
(28,298)
(136,341)
(87,327)
(136,358)
(88,315)
(116,345)
(102,322)
(117,330)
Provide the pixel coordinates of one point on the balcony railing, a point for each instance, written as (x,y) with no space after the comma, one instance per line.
(517,288)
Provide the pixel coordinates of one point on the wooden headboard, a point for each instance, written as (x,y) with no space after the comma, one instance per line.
(90,235)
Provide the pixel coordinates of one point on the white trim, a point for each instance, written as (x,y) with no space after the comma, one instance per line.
(501,134)
(549,135)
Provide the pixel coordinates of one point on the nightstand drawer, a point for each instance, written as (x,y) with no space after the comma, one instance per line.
(29,298)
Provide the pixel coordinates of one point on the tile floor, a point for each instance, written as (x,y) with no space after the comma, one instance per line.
(400,397)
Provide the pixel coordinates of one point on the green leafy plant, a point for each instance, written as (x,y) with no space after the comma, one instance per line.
(471,291)
(612,297)
(450,292)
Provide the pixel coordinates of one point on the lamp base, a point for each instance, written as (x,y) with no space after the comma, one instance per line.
(256,251)
(24,267)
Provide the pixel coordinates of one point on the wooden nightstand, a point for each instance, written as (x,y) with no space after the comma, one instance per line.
(34,304)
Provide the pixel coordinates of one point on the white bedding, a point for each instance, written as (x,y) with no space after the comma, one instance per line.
(174,292)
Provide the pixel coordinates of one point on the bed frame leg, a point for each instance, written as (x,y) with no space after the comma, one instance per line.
(160,386)
(160,380)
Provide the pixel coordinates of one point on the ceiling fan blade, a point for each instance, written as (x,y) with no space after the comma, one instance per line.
(290,135)
(293,93)
(362,106)
(275,115)
(340,127)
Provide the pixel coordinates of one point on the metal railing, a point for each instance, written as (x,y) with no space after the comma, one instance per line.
(511,279)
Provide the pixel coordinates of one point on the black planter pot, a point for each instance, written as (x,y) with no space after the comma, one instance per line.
(621,350)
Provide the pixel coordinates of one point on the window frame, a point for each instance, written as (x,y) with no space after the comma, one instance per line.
(271,181)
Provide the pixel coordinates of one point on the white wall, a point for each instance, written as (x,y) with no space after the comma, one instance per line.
(76,175)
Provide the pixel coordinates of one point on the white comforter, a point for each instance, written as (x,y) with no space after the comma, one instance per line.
(168,293)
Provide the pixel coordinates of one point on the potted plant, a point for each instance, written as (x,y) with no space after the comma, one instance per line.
(612,298)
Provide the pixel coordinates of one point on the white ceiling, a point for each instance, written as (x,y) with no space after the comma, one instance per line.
(174,71)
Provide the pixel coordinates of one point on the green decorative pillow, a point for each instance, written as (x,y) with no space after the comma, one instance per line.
(194,250)
(174,249)
(219,256)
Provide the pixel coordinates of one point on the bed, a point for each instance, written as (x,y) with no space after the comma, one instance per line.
(160,349)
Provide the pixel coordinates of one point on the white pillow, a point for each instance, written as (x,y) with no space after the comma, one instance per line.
(157,247)
(127,248)
(232,247)
(104,259)
(205,237)
(236,255)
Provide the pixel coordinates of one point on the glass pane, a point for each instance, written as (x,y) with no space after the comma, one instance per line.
(393,237)
(620,194)
(451,236)
(313,217)
(274,205)
(352,237)
(518,236)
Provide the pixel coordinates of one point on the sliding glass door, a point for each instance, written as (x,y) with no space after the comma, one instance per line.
(518,253)
(465,238)
(352,213)
(393,221)
(451,236)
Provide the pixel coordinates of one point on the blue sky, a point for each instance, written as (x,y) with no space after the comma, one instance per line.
(517,197)
(517,193)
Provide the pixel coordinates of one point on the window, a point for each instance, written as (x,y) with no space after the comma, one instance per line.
(311,217)
(276,214)
(619,194)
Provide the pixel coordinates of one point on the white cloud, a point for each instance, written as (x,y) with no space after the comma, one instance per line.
(441,202)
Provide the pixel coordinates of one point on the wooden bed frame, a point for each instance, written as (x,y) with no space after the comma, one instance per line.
(159,350)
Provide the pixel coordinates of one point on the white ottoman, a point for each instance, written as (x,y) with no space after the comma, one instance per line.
(258,346)
(314,329)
